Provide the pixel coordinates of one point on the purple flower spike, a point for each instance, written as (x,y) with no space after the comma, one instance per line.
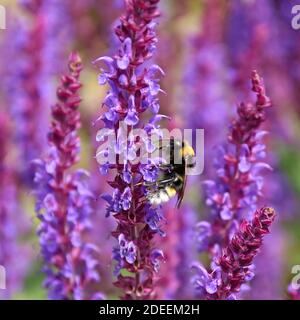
(235,193)
(133,89)
(63,200)
(234,267)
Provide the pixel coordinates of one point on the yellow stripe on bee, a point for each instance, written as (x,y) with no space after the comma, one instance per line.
(187,151)
(171,192)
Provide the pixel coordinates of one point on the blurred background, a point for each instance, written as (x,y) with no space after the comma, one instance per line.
(207,50)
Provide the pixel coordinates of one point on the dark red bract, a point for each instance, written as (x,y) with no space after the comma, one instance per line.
(238,256)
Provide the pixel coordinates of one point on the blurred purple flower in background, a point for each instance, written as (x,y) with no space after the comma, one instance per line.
(179,252)
(37,41)
(26,84)
(168,283)
(58,33)
(63,201)
(206,79)
(12,220)
(257,38)
(269,268)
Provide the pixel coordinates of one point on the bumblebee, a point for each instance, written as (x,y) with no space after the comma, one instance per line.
(172,176)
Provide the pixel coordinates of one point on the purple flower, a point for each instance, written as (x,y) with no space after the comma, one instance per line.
(58,35)
(63,200)
(178,253)
(234,267)
(269,268)
(206,282)
(133,89)
(127,249)
(26,85)
(36,41)
(156,256)
(14,256)
(118,201)
(235,192)
(206,96)
(203,234)
(153,219)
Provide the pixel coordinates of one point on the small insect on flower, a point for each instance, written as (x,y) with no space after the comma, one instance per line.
(173,175)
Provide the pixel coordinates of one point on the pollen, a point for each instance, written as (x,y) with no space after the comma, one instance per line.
(187,151)
(171,192)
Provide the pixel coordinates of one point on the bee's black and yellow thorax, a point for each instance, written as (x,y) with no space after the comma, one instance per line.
(172,178)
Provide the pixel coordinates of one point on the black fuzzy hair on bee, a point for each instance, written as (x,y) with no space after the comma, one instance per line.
(172,177)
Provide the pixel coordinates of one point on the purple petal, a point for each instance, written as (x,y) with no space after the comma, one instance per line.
(131,119)
(244,165)
(123,62)
(226,213)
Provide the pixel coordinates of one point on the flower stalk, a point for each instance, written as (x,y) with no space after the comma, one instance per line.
(63,200)
(133,89)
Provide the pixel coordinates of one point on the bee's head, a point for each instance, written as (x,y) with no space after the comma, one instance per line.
(186,150)
(188,153)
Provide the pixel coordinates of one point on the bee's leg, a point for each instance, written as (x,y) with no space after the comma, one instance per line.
(158,148)
(156,183)
(147,184)
(165,181)
(166,166)
(178,180)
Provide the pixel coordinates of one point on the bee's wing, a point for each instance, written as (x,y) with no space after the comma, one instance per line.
(181,193)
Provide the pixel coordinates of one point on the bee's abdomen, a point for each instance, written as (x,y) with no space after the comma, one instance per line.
(162,195)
